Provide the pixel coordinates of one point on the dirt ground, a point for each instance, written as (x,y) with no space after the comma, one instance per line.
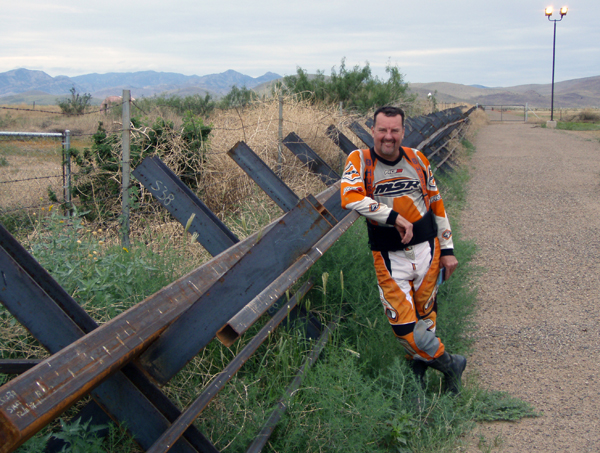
(534,213)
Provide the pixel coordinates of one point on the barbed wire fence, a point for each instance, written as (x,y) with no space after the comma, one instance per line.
(50,186)
(34,174)
(263,131)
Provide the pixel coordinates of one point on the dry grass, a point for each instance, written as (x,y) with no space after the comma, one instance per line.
(29,169)
(222,185)
(572,115)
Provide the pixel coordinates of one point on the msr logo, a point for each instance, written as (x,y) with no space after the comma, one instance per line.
(397,187)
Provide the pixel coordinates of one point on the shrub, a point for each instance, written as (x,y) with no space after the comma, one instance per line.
(76,104)
(196,104)
(98,182)
(357,88)
(238,97)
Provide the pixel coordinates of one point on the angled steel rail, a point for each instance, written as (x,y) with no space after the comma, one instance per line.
(153,340)
(170,436)
(79,367)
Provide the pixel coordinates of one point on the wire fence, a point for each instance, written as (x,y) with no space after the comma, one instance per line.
(32,173)
(36,175)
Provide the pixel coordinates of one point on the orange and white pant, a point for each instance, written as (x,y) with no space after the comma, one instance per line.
(407,287)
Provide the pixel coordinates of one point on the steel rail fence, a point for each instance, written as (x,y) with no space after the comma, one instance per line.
(149,343)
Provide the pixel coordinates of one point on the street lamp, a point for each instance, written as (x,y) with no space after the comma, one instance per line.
(548,12)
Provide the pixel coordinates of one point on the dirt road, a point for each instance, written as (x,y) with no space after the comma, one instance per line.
(534,213)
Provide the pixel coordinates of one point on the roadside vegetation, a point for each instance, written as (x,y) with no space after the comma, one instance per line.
(585,120)
(360,395)
(75,104)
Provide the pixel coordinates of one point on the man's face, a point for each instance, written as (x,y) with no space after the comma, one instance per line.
(388,134)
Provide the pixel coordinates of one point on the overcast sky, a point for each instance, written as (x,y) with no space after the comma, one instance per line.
(503,43)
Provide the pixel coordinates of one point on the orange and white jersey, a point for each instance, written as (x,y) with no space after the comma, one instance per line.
(377,188)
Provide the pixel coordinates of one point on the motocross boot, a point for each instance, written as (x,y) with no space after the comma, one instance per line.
(452,367)
(418,367)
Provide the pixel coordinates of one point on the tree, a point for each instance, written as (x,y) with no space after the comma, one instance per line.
(76,104)
(98,182)
(238,97)
(357,88)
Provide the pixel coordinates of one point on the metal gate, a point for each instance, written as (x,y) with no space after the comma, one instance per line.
(506,112)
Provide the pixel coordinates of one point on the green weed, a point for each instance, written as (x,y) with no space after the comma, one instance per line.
(80,437)
(106,279)
(577,126)
(359,397)
(19,223)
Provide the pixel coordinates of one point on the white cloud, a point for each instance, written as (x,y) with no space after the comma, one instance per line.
(464,41)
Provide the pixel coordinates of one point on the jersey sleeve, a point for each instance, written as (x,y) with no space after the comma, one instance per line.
(444,231)
(354,194)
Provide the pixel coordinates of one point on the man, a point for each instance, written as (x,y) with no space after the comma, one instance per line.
(410,237)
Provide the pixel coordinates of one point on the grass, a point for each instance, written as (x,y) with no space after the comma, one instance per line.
(578,126)
(359,396)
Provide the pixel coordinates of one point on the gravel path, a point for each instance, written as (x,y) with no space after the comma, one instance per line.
(534,213)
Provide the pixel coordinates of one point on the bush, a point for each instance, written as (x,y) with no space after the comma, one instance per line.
(196,105)
(76,104)
(357,88)
(585,116)
(98,182)
(238,97)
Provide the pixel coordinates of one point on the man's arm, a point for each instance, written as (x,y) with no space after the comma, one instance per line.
(404,227)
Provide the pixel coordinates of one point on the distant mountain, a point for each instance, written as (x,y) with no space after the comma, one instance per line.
(22,80)
(577,93)
(37,86)
(142,83)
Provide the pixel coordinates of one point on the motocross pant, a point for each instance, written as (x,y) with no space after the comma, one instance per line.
(407,288)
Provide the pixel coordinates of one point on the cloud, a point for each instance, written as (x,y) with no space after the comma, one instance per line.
(464,41)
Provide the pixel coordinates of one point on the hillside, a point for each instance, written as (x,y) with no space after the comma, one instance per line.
(25,86)
(575,93)
(143,83)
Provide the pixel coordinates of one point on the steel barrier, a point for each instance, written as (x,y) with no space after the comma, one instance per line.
(122,363)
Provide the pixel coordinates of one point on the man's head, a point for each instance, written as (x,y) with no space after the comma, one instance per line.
(388,132)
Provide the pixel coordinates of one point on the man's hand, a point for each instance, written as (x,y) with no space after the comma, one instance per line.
(405,228)
(450,263)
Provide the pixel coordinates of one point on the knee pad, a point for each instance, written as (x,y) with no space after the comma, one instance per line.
(424,338)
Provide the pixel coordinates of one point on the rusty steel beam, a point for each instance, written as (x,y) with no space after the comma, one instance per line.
(181,202)
(262,175)
(248,315)
(63,378)
(344,143)
(25,400)
(251,312)
(278,249)
(261,440)
(170,436)
(362,134)
(307,156)
(64,321)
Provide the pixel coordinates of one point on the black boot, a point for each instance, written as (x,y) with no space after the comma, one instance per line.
(418,367)
(452,367)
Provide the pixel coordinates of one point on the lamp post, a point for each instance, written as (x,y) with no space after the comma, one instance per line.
(548,12)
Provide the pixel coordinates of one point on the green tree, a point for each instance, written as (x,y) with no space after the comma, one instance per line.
(97,185)
(356,88)
(195,104)
(238,97)
(76,104)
